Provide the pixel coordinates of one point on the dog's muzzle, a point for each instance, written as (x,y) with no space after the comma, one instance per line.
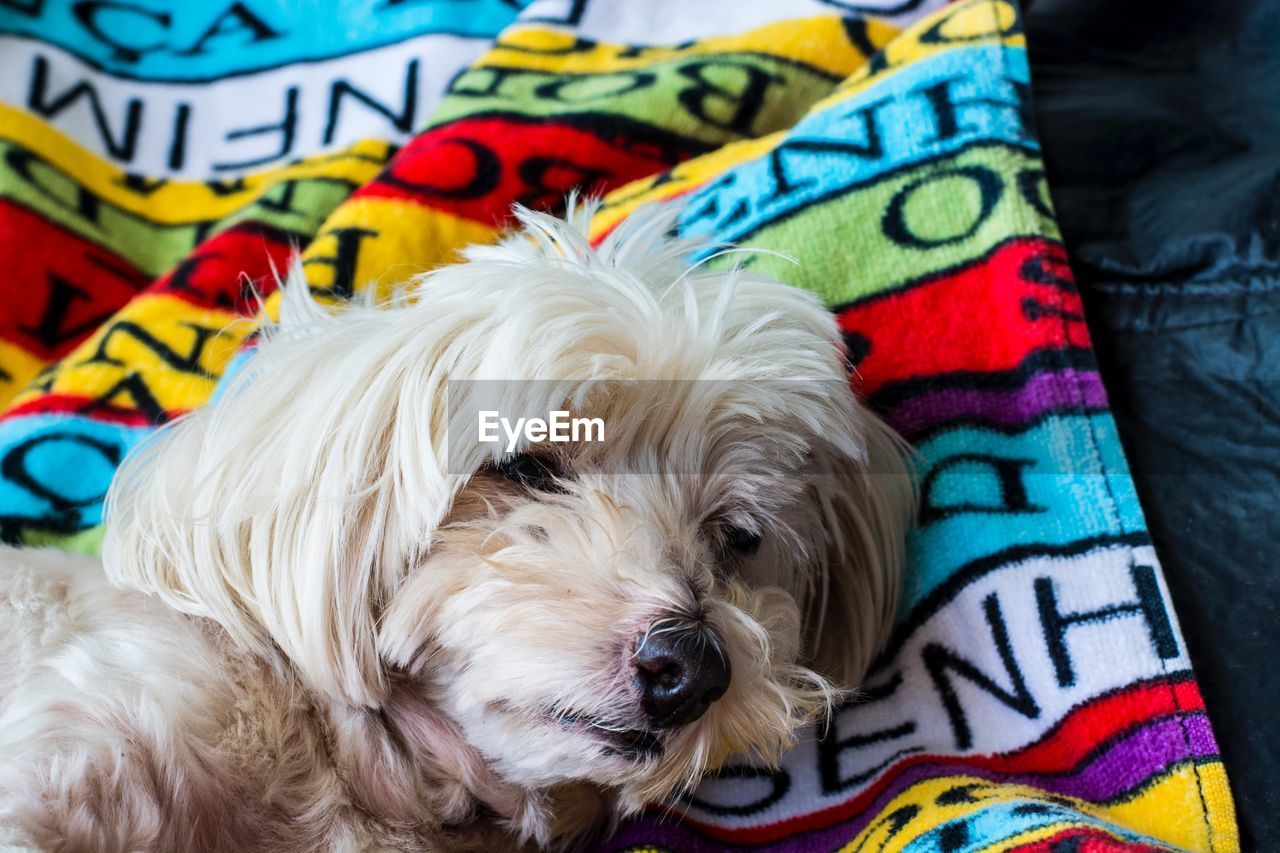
(681,668)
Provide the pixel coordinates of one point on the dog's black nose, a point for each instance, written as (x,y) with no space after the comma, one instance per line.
(680,670)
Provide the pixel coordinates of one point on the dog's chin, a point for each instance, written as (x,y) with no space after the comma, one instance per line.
(554,748)
(614,740)
(547,751)
(636,764)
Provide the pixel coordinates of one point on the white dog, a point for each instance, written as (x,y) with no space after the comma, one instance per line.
(322,627)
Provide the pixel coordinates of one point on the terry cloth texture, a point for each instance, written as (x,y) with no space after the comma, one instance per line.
(1037,693)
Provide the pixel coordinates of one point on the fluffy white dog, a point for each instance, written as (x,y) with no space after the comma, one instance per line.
(322,627)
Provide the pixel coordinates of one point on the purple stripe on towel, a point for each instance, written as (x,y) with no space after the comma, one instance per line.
(1063,390)
(1127,763)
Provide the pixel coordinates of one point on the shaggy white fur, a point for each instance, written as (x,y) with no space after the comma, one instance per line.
(326,628)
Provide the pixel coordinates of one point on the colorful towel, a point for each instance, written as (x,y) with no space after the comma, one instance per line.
(1036,695)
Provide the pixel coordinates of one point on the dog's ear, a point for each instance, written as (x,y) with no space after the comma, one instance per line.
(866,502)
(290,509)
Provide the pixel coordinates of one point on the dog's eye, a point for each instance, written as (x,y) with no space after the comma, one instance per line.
(534,472)
(741,540)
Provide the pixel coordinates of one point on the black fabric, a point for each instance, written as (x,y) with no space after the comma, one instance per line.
(1161,131)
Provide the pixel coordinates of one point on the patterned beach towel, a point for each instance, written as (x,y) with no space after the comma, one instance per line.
(159,160)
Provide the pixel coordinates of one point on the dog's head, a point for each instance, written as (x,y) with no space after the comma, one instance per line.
(627,612)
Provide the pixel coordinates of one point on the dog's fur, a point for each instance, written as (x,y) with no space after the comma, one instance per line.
(315,631)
